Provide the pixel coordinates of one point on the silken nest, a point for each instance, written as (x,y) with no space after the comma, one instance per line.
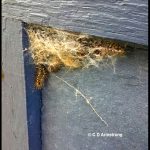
(55,48)
(52,49)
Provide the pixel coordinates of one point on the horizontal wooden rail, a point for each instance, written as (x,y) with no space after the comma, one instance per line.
(117,19)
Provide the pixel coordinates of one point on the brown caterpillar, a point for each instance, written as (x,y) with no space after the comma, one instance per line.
(40,76)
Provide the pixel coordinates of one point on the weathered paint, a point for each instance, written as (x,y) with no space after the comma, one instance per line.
(14,119)
(125,20)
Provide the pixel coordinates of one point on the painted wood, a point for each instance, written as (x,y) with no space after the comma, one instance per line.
(125,20)
(14,119)
(33,98)
(120,98)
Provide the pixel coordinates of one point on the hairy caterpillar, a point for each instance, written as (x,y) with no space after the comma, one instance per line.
(42,73)
(40,76)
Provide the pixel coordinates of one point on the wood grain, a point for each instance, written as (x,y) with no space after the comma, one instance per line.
(118,19)
(14,121)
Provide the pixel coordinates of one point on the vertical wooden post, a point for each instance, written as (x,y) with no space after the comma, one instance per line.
(14,119)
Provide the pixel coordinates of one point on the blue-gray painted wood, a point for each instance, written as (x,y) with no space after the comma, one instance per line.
(125,20)
(121,99)
(33,98)
(14,119)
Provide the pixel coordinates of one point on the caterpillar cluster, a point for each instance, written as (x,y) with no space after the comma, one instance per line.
(54,49)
